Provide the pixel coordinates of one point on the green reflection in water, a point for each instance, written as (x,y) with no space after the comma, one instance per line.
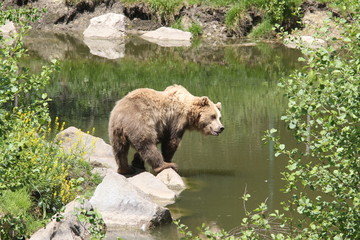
(219,168)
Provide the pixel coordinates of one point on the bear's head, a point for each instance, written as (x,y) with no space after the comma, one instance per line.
(207,116)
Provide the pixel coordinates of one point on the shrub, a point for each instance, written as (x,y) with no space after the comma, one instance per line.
(34,169)
(323,113)
(322,176)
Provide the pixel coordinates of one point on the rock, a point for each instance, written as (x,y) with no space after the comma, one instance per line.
(92,148)
(57,12)
(67,228)
(107,26)
(154,188)
(122,205)
(172,180)
(109,49)
(168,37)
(313,21)
(306,41)
(8,29)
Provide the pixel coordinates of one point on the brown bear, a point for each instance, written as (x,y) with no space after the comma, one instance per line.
(146,117)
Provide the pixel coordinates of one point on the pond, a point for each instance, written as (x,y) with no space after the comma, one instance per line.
(219,169)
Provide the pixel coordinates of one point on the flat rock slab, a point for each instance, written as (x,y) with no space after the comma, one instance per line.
(122,205)
(107,26)
(154,188)
(168,37)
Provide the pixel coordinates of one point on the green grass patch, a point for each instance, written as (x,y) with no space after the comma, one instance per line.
(17,202)
(262,30)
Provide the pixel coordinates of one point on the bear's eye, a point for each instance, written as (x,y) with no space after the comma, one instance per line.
(213,117)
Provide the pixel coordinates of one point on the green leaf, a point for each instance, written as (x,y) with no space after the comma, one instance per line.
(301,59)
(14,89)
(292,125)
(292,167)
(273,130)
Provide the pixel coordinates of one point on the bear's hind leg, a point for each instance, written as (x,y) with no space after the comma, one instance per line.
(121,152)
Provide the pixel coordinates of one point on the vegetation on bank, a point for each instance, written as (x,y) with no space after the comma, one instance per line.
(37,178)
(252,18)
(323,172)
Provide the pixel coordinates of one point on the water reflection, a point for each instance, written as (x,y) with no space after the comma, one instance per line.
(109,49)
(218,169)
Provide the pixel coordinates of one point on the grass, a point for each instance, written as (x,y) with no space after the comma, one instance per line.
(19,203)
(262,30)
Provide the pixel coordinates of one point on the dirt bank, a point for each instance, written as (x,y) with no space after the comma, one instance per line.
(75,18)
(65,17)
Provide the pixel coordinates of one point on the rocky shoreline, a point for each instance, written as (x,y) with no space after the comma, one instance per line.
(132,205)
(61,17)
(73,19)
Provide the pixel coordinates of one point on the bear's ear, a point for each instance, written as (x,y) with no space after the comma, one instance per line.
(218,105)
(202,101)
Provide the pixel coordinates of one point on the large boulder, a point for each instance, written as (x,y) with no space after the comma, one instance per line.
(154,188)
(69,227)
(122,205)
(107,26)
(168,37)
(92,148)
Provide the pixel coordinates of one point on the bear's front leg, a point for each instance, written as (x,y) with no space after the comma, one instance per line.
(169,147)
(152,155)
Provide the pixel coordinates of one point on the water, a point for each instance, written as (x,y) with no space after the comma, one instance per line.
(218,169)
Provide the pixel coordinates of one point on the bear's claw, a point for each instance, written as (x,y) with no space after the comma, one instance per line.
(166,165)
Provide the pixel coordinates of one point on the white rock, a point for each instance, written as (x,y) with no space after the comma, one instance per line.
(154,187)
(7,29)
(94,149)
(168,37)
(172,180)
(109,49)
(67,228)
(306,41)
(122,205)
(107,26)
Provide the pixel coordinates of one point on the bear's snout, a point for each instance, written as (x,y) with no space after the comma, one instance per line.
(217,131)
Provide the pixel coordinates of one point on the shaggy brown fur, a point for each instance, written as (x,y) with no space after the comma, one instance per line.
(146,117)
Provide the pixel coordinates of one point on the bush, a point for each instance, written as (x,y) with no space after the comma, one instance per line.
(323,112)
(33,169)
(323,171)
